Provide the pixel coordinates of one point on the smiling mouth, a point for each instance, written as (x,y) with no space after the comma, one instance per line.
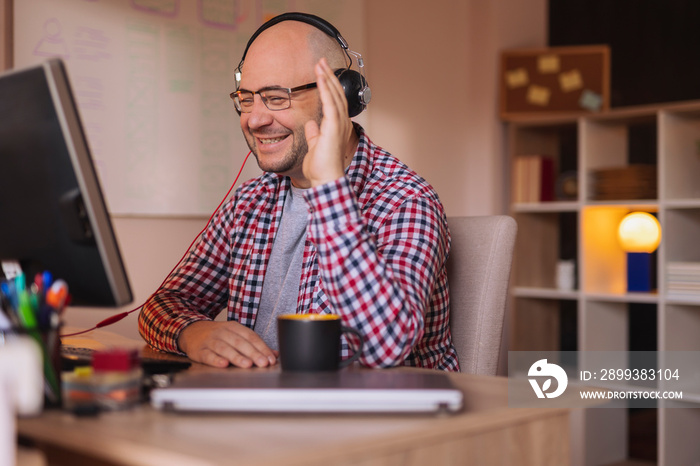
(271,140)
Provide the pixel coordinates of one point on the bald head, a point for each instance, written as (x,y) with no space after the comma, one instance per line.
(322,45)
(296,44)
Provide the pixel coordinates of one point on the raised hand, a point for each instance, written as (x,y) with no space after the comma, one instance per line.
(330,145)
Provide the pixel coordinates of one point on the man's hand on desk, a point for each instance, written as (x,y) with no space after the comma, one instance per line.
(220,343)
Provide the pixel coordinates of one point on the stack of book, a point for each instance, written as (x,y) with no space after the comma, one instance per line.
(683,280)
(630,182)
(533,178)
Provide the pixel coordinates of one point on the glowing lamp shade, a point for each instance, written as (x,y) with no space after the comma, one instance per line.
(639,232)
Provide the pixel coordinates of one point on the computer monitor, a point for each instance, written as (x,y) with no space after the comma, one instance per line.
(52,212)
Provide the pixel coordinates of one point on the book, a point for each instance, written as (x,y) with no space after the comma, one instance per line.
(533,179)
(683,280)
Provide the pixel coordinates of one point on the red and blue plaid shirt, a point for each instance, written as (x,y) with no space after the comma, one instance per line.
(375,254)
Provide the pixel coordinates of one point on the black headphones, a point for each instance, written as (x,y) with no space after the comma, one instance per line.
(357,92)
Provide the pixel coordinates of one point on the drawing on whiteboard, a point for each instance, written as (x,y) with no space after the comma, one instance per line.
(225,14)
(91,44)
(89,93)
(52,43)
(216,137)
(142,42)
(180,53)
(157,7)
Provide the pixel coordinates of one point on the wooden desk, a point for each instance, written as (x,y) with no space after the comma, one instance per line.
(487,432)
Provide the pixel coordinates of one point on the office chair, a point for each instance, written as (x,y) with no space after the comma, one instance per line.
(478,271)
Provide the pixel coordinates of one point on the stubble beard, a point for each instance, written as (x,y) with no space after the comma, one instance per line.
(294,158)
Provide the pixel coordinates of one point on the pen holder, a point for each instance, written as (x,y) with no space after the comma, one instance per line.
(49,342)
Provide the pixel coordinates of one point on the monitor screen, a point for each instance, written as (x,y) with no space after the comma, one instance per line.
(53,215)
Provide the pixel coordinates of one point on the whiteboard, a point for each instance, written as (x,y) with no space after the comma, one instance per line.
(151,79)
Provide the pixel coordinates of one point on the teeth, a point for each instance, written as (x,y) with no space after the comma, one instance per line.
(271,141)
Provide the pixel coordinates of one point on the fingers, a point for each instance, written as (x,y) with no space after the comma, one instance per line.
(328,144)
(335,104)
(220,343)
(243,347)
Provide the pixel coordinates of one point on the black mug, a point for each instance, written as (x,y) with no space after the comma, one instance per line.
(311,342)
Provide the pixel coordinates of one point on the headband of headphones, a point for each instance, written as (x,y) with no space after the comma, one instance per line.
(313,20)
(357,91)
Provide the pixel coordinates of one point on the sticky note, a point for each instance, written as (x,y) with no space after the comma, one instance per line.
(571,80)
(517,78)
(538,95)
(547,64)
(590,100)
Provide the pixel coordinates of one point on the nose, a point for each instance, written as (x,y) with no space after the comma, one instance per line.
(260,115)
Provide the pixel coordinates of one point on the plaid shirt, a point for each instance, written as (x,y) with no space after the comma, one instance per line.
(375,254)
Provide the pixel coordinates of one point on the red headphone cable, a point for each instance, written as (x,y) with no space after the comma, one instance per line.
(117,317)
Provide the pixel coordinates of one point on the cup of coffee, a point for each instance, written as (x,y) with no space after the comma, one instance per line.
(311,342)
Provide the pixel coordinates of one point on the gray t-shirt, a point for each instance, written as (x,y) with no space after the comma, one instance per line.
(281,286)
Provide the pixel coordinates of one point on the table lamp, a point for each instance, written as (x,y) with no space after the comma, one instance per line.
(639,234)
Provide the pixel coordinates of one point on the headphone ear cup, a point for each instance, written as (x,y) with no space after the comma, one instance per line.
(354,86)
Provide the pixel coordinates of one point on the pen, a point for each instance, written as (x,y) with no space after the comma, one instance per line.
(56,295)
(46,280)
(8,290)
(27,316)
(38,286)
(19,283)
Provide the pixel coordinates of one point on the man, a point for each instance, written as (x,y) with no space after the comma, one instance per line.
(334,225)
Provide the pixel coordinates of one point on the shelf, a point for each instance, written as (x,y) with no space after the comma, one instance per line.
(648,205)
(650,298)
(682,301)
(601,315)
(682,204)
(554,206)
(544,293)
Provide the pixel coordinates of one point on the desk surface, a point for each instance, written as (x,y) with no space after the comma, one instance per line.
(486,432)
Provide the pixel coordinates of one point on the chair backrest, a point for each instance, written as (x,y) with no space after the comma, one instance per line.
(478,271)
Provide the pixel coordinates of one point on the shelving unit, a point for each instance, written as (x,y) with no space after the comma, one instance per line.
(584,230)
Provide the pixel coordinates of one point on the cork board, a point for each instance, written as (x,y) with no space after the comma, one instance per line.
(555,80)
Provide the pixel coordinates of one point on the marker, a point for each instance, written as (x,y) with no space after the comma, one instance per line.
(35,295)
(38,285)
(8,290)
(56,295)
(20,283)
(26,314)
(46,280)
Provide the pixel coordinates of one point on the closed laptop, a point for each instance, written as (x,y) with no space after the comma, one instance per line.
(351,390)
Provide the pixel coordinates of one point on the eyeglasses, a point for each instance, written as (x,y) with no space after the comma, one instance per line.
(274,98)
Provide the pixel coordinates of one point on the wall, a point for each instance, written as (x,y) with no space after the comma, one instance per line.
(433,73)
(435,88)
